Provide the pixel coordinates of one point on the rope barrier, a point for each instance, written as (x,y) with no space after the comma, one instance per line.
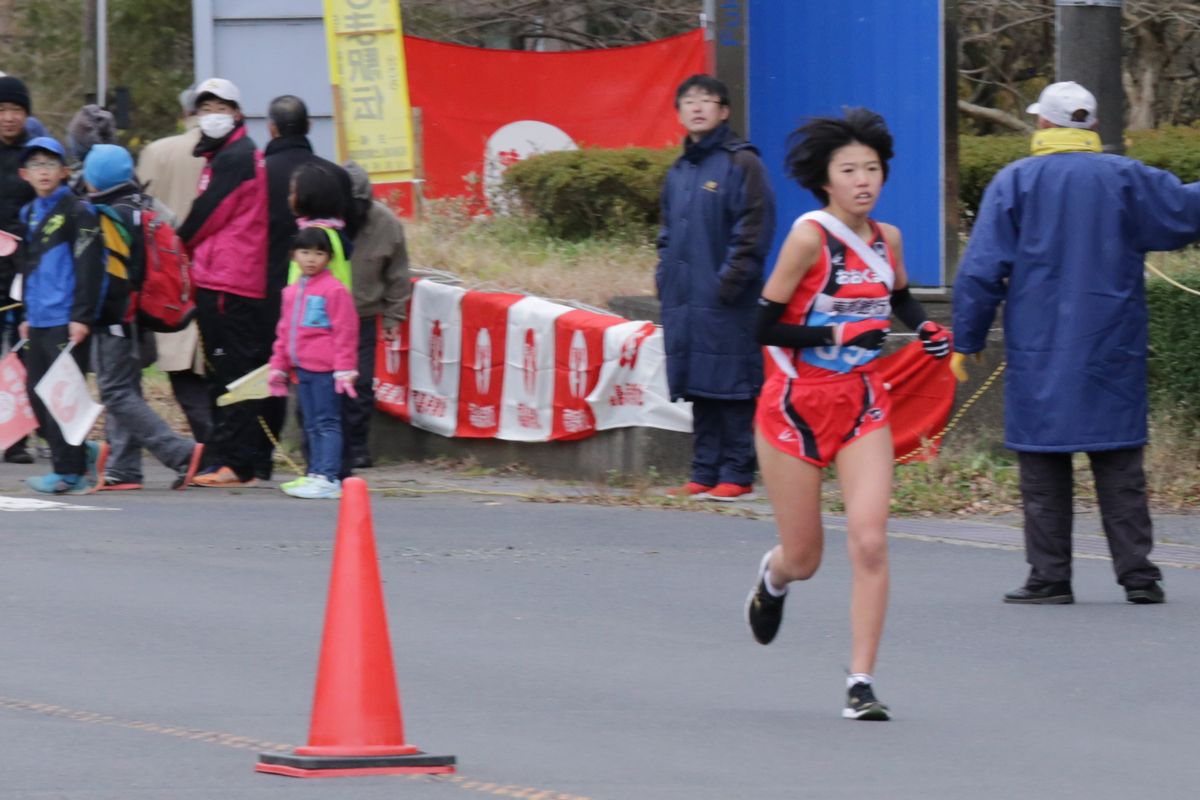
(987,384)
(1171,280)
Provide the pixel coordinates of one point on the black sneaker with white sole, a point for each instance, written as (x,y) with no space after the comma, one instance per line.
(764,611)
(862,704)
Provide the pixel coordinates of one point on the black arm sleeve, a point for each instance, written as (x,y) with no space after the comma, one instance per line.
(907,308)
(769,330)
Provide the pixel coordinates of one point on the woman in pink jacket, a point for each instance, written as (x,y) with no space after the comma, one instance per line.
(317,338)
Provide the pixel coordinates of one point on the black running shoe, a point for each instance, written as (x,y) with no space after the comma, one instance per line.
(861,704)
(764,611)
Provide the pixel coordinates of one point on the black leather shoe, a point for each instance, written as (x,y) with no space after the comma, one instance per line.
(18,457)
(362,462)
(1145,594)
(1046,594)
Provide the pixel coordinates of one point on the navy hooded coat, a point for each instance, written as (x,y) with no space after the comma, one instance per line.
(718,220)
(1063,238)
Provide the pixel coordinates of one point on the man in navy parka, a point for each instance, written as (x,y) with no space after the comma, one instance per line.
(1062,237)
(718,220)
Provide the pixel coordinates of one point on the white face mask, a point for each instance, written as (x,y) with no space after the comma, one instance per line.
(216,126)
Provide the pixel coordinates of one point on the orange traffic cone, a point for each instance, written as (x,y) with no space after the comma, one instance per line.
(356,726)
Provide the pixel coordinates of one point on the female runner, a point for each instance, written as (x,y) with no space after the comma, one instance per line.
(823,315)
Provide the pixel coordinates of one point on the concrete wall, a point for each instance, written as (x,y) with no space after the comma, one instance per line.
(624,451)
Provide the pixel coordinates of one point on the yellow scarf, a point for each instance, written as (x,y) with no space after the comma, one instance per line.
(1064,140)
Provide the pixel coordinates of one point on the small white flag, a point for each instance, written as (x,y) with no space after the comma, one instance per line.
(64,392)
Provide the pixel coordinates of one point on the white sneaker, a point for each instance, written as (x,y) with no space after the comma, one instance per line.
(317,487)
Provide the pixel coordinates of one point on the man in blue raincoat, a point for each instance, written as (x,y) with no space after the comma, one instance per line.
(1062,237)
(718,219)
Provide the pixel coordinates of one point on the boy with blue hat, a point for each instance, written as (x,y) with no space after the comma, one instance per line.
(61,279)
(131,424)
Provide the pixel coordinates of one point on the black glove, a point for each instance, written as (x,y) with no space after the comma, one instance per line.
(935,339)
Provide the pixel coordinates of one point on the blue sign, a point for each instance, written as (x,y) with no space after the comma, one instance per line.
(812,58)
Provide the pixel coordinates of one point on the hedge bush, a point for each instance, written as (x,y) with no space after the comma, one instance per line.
(1175,348)
(981,157)
(596,191)
(593,191)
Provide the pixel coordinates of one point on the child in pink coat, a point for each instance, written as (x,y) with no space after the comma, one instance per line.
(317,338)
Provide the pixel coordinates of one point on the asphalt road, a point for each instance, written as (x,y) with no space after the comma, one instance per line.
(567,651)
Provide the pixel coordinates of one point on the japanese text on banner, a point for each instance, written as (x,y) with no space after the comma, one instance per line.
(370,80)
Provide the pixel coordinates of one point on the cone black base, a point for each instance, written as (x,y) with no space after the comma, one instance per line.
(332,766)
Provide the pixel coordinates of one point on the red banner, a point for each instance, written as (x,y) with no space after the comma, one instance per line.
(391,370)
(922,390)
(578,356)
(483,109)
(484,325)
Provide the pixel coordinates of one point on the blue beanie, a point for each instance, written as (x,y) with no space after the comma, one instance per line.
(106,166)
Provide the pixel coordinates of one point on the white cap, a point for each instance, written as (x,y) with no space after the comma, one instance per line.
(1062,104)
(218,88)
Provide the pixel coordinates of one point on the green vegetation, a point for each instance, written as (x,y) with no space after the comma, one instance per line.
(592,192)
(149,51)
(1176,150)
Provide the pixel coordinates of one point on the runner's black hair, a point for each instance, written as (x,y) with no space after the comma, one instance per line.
(811,146)
(313,239)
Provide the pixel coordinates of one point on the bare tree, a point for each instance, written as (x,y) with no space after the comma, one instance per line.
(550,24)
(1160,59)
(1006,50)
(1006,55)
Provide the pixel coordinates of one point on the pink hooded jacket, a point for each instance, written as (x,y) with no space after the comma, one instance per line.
(318,326)
(226,230)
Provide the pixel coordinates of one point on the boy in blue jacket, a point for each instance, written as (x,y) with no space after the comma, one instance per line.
(62,277)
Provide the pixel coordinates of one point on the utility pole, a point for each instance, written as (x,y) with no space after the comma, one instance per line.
(102,53)
(1089,53)
(727,24)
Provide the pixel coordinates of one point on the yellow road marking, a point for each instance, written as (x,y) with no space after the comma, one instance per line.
(246,743)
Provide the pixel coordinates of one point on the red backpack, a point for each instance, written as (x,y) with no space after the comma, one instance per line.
(165,300)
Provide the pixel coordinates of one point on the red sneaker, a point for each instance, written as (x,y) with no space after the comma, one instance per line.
(689,489)
(728,492)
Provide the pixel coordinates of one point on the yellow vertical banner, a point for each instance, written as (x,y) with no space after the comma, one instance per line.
(370,86)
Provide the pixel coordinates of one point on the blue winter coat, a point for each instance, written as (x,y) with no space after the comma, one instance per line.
(63,268)
(718,220)
(1063,238)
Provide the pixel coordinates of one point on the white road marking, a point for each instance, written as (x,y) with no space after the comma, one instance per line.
(30,504)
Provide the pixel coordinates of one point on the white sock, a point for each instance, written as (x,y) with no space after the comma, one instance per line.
(857,677)
(771,590)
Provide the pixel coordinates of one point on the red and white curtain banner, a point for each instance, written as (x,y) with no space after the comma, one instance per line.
(474,364)
(483,109)
(499,365)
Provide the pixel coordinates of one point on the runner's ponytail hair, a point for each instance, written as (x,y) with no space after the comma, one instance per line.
(810,147)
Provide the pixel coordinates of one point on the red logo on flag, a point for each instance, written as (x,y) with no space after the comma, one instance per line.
(62,405)
(633,345)
(436,348)
(483,361)
(577,365)
(529,362)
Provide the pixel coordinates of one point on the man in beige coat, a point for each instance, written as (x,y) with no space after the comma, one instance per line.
(170,172)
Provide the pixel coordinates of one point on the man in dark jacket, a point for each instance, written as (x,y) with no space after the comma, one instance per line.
(226,233)
(718,219)
(14,193)
(1061,238)
(288,124)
